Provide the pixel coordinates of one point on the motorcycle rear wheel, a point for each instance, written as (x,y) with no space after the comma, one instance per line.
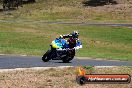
(45,57)
(70,55)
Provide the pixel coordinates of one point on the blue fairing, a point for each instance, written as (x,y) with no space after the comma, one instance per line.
(61,43)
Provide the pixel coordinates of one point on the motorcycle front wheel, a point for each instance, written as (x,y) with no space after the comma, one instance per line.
(45,57)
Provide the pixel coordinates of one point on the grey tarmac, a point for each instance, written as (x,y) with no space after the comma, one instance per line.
(69,23)
(12,62)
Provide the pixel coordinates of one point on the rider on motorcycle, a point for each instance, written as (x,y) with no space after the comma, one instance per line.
(74,34)
(62,49)
(72,38)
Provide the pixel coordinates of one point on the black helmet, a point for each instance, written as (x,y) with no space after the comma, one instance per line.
(75,34)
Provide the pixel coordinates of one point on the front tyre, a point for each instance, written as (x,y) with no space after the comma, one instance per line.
(45,57)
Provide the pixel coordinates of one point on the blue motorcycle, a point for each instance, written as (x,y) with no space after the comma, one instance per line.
(62,50)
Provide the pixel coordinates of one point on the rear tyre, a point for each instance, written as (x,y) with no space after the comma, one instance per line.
(66,59)
(45,57)
(70,55)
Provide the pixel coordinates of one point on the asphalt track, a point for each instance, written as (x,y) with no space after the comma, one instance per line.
(11,62)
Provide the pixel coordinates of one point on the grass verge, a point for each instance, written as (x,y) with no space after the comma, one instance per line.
(56,78)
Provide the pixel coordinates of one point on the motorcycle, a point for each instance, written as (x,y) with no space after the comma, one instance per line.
(60,49)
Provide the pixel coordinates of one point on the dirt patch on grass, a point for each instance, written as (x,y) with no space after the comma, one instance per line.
(26,30)
(56,78)
(108,12)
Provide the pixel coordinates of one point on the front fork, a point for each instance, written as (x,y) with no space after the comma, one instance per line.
(54,53)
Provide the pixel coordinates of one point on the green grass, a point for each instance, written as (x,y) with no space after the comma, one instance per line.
(34,39)
(23,35)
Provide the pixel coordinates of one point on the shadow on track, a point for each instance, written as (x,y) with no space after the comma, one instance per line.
(62,62)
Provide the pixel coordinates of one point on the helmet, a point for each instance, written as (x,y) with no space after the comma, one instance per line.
(75,34)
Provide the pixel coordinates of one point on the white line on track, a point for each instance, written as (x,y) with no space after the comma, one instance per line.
(34,68)
(46,68)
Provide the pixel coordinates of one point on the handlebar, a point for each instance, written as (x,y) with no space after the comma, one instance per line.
(66,49)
